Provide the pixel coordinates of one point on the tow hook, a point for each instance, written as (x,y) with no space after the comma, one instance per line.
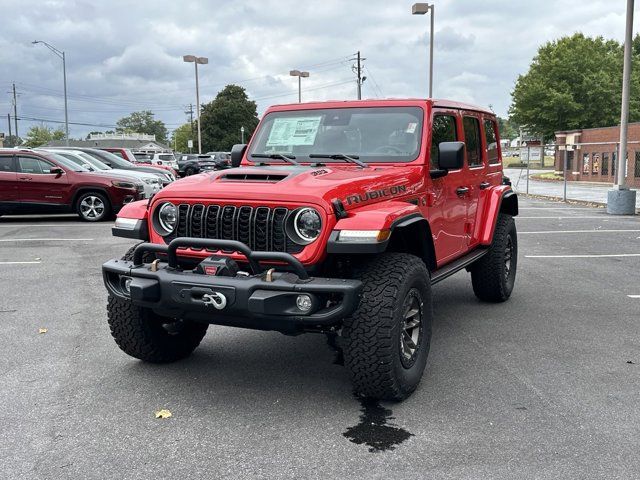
(217,299)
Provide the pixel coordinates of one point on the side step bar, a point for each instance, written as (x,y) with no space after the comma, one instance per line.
(458,265)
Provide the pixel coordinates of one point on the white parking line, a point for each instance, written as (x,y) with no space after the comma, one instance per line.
(563,218)
(633,296)
(46,239)
(84,224)
(586,256)
(19,263)
(580,231)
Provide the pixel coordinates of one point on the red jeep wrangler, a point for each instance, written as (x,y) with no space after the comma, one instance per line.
(340,218)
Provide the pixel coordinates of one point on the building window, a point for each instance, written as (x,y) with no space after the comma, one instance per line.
(605,164)
(472,140)
(443,130)
(637,165)
(492,141)
(585,164)
(614,160)
(595,164)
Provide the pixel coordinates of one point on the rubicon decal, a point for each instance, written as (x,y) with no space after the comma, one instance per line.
(374,194)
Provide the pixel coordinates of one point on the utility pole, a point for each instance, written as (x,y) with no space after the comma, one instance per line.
(15,109)
(621,200)
(357,69)
(190,113)
(359,77)
(9,122)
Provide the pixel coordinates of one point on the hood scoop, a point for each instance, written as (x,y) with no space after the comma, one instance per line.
(253,177)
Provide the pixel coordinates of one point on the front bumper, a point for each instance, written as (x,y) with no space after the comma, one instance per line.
(260,300)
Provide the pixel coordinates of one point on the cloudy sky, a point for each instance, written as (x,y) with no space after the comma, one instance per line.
(127,56)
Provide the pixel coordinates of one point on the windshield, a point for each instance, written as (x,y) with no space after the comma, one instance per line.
(70,164)
(94,162)
(375,134)
(116,161)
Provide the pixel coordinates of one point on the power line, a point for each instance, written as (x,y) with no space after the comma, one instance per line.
(374,81)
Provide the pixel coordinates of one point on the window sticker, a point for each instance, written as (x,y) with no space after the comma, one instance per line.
(411,128)
(294,131)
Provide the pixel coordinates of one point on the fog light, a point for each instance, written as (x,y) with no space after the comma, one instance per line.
(126,284)
(304,303)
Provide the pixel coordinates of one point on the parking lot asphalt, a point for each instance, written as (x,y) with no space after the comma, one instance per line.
(546,385)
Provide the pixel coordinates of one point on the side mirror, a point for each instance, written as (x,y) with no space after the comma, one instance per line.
(237,152)
(56,171)
(451,155)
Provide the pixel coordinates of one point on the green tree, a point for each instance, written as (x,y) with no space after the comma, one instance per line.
(508,129)
(574,82)
(180,138)
(143,122)
(11,141)
(39,135)
(223,118)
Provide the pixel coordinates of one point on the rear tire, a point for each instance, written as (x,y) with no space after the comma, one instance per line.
(394,313)
(189,171)
(93,207)
(494,275)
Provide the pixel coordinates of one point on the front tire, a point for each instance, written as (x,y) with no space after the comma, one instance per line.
(387,339)
(494,275)
(189,171)
(93,207)
(141,333)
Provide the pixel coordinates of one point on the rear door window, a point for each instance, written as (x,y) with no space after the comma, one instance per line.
(492,141)
(6,163)
(472,140)
(444,130)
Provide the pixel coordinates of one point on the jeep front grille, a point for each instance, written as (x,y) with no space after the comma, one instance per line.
(261,228)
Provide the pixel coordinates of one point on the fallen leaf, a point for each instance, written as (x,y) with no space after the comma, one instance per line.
(42,330)
(164,413)
(630,362)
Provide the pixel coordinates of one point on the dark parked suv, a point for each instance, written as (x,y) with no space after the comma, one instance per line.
(42,182)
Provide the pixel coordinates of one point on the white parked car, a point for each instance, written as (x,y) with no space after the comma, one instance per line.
(152,184)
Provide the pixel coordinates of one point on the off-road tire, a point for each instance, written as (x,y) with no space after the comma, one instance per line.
(372,334)
(105,212)
(491,279)
(141,333)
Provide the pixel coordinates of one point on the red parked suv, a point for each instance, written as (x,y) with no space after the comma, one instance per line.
(39,182)
(339,220)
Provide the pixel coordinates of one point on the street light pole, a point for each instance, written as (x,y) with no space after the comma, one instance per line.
(61,54)
(242,134)
(300,75)
(421,9)
(621,200)
(202,61)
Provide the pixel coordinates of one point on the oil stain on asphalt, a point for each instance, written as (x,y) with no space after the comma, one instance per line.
(373,429)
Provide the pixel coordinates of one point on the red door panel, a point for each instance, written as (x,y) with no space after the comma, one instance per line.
(37,185)
(8,180)
(447,208)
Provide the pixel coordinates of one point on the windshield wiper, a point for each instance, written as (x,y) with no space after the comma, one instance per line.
(340,156)
(286,158)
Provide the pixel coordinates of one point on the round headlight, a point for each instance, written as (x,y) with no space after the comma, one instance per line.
(167,218)
(306,225)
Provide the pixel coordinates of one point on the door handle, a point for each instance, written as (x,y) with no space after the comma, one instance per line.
(25,178)
(462,191)
(484,185)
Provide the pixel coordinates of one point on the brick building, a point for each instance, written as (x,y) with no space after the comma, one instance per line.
(592,154)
